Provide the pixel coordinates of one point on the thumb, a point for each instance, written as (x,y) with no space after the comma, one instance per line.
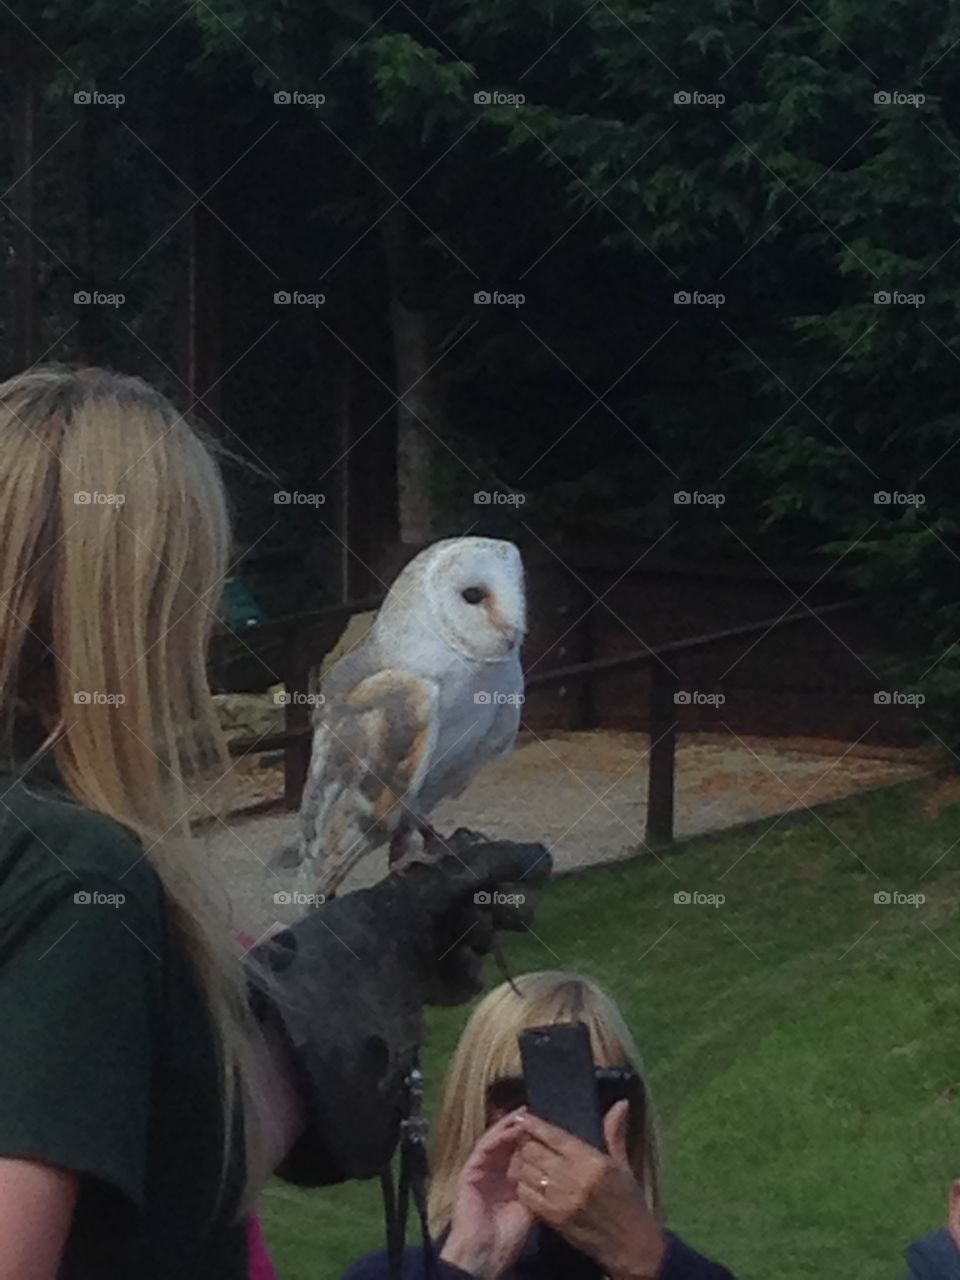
(615,1131)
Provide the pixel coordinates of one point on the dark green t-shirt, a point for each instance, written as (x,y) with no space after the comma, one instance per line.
(107,1061)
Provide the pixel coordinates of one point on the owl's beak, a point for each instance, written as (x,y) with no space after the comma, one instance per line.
(513,636)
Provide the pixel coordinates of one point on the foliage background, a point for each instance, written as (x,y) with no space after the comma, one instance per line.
(799,197)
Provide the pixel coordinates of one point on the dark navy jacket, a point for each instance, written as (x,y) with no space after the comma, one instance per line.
(935,1257)
(680,1263)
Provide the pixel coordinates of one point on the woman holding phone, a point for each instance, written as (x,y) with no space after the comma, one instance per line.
(503,1180)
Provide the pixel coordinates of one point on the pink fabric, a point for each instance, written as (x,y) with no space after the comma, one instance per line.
(261,1267)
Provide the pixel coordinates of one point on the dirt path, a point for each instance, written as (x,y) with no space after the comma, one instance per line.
(584,794)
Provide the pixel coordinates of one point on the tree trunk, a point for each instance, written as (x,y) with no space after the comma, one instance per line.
(420,412)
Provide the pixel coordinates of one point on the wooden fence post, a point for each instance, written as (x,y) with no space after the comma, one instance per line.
(662,723)
(586,713)
(297,718)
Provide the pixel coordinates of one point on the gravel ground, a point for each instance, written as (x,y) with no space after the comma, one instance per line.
(584,794)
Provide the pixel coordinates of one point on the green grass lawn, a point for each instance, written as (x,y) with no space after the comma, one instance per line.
(801,1041)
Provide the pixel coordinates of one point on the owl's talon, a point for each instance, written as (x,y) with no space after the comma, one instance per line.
(418,858)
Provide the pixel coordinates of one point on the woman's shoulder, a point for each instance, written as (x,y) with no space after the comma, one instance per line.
(681,1262)
(50,842)
(376,1266)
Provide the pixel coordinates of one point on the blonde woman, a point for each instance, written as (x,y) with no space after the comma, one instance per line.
(142,1102)
(501,1176)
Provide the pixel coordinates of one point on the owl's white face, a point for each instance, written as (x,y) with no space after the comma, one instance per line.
(475,591)
(461,599)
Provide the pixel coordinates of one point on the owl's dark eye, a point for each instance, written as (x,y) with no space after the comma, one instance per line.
(474,595)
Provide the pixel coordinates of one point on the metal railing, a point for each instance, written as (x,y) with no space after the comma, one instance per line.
(662,725)
(298,643)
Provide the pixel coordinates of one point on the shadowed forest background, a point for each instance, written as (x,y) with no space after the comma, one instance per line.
(597,159)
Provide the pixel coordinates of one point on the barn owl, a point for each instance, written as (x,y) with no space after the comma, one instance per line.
(429,696)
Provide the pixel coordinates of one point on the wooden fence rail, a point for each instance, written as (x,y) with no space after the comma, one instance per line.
(297,644)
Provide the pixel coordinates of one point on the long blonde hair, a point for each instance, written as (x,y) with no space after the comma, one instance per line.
(115,543)
(488,1051)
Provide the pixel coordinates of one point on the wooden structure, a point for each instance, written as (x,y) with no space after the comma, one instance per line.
(294,646)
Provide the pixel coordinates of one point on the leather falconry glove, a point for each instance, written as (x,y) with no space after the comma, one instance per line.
(346,988)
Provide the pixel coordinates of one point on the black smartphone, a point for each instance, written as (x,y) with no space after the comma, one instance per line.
(561,1085)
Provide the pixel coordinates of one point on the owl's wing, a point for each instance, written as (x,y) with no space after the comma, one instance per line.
(371,750)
